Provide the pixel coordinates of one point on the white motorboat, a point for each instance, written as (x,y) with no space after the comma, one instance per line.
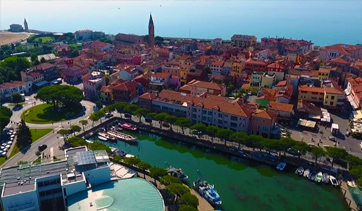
(281,166)
(102,138)
(318,177)
(333,180)
(351,184)
(299,170)
(306,173)
(325,178)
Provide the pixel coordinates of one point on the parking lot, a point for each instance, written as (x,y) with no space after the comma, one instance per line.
(321,136)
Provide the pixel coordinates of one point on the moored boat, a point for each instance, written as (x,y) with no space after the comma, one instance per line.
(325,178)
(312,175)
(102,138)
(105,137)
(306,173)
(281,166)
(207,191)
(177,172)
(351,184)
(333,180)
(128,126)
(299,170)
(318,177)
(122,136)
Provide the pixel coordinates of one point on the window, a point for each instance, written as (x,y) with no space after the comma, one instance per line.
(220,115)
(327,96)
(265,129)
(332,97)
(194,109)
(203,112)
(331,103)
(234,118)
(233,124)
(304,92)
(209,112)
(194,116)
(313,98)
(219,121)
(315,93)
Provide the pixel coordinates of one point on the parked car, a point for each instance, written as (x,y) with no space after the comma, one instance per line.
(42,147)
(293,152)
(332,138)
(127,115)
(165,124)
(149,120)
(108,115)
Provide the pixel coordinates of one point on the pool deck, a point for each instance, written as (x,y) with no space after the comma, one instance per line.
(203,204)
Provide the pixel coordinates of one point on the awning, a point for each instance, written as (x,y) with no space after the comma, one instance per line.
(306,123)
(351,101)
(313,116)
(41,83)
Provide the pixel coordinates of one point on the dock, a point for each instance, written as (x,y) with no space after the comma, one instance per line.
(347,196)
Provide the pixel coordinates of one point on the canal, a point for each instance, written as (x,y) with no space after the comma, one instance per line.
(242,184)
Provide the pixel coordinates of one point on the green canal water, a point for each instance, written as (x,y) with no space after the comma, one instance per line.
(243,185)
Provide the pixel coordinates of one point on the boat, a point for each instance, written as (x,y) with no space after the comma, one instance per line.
(105,137)
(207,191)
(281,166)
(333,180)
(299,170)
(118,152)
(318,177)
(122,136)
(351,184)
(102,138)
(177,172)
(128,126)
(306,173)
(312,175)
(325,178)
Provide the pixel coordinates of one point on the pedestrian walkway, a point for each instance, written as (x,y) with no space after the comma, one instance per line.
(348,197)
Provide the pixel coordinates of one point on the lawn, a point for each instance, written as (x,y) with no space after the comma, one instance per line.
(38,133)
(44,39)
(45,114)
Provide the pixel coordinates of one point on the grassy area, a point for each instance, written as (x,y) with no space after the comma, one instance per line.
(44,39)
(38,133)
(45,114)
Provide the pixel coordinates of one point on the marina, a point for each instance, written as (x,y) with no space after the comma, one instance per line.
(238,182)
(122,136)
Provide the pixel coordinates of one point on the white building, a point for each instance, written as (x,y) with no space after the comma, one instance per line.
(10,88)
(26,187)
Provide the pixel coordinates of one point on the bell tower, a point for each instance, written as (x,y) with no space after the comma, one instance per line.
(25,25)
(151,32)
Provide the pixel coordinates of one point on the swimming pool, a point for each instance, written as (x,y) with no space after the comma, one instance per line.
(133,194)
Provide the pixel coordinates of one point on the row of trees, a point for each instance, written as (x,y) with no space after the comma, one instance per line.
(11,67)
(77,142)
(183,196)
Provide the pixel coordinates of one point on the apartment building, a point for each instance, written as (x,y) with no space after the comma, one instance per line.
(92,84)
(9,88)
(263,123)
(353,92)
(243,41)
(196,87)
(53,182)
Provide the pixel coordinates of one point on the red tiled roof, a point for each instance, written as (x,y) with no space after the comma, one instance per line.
(148,96)
(43,66)
(256,62)
(99,44)
(13,84)
(281,106)
(217,63)
(281,83)
(306,88)
(339,60)
(264,114)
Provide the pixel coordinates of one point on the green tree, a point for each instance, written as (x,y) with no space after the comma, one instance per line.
(100,146)
(17,98)
(302,147)
(23,138)
(286,143)
(187,208)
(356,171)
(171,119)
(359,181)
(99,104)
(224,134)
(75,128)
(336,153)
(77,142)
(271,144)
(211,130)
(33,57)
(254,141)
(200,128)
(84,122)
(317,152)
(144,166)
(132,160)
(353,161)
(94,117)
(64,133)
(131,108)
(141,112)
(156,173)
(183,122)
(5,114)
(239,137)
(120,106)
(177,189)
(189,199)
(168,180)
(70,96)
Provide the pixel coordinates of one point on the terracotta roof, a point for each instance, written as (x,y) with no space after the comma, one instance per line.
(339,60)
(307,107)
(205,84)
(264,114)
(281,106)
(276,66)
(281,83)
(43,66)
(13,84)
(306,88)
(148,96)
(324,70)
(34,74)
(217,63)
(256,62)
(161,75)
(123,85)
(106,89)
(142,79)
(333,90)
(207,101)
